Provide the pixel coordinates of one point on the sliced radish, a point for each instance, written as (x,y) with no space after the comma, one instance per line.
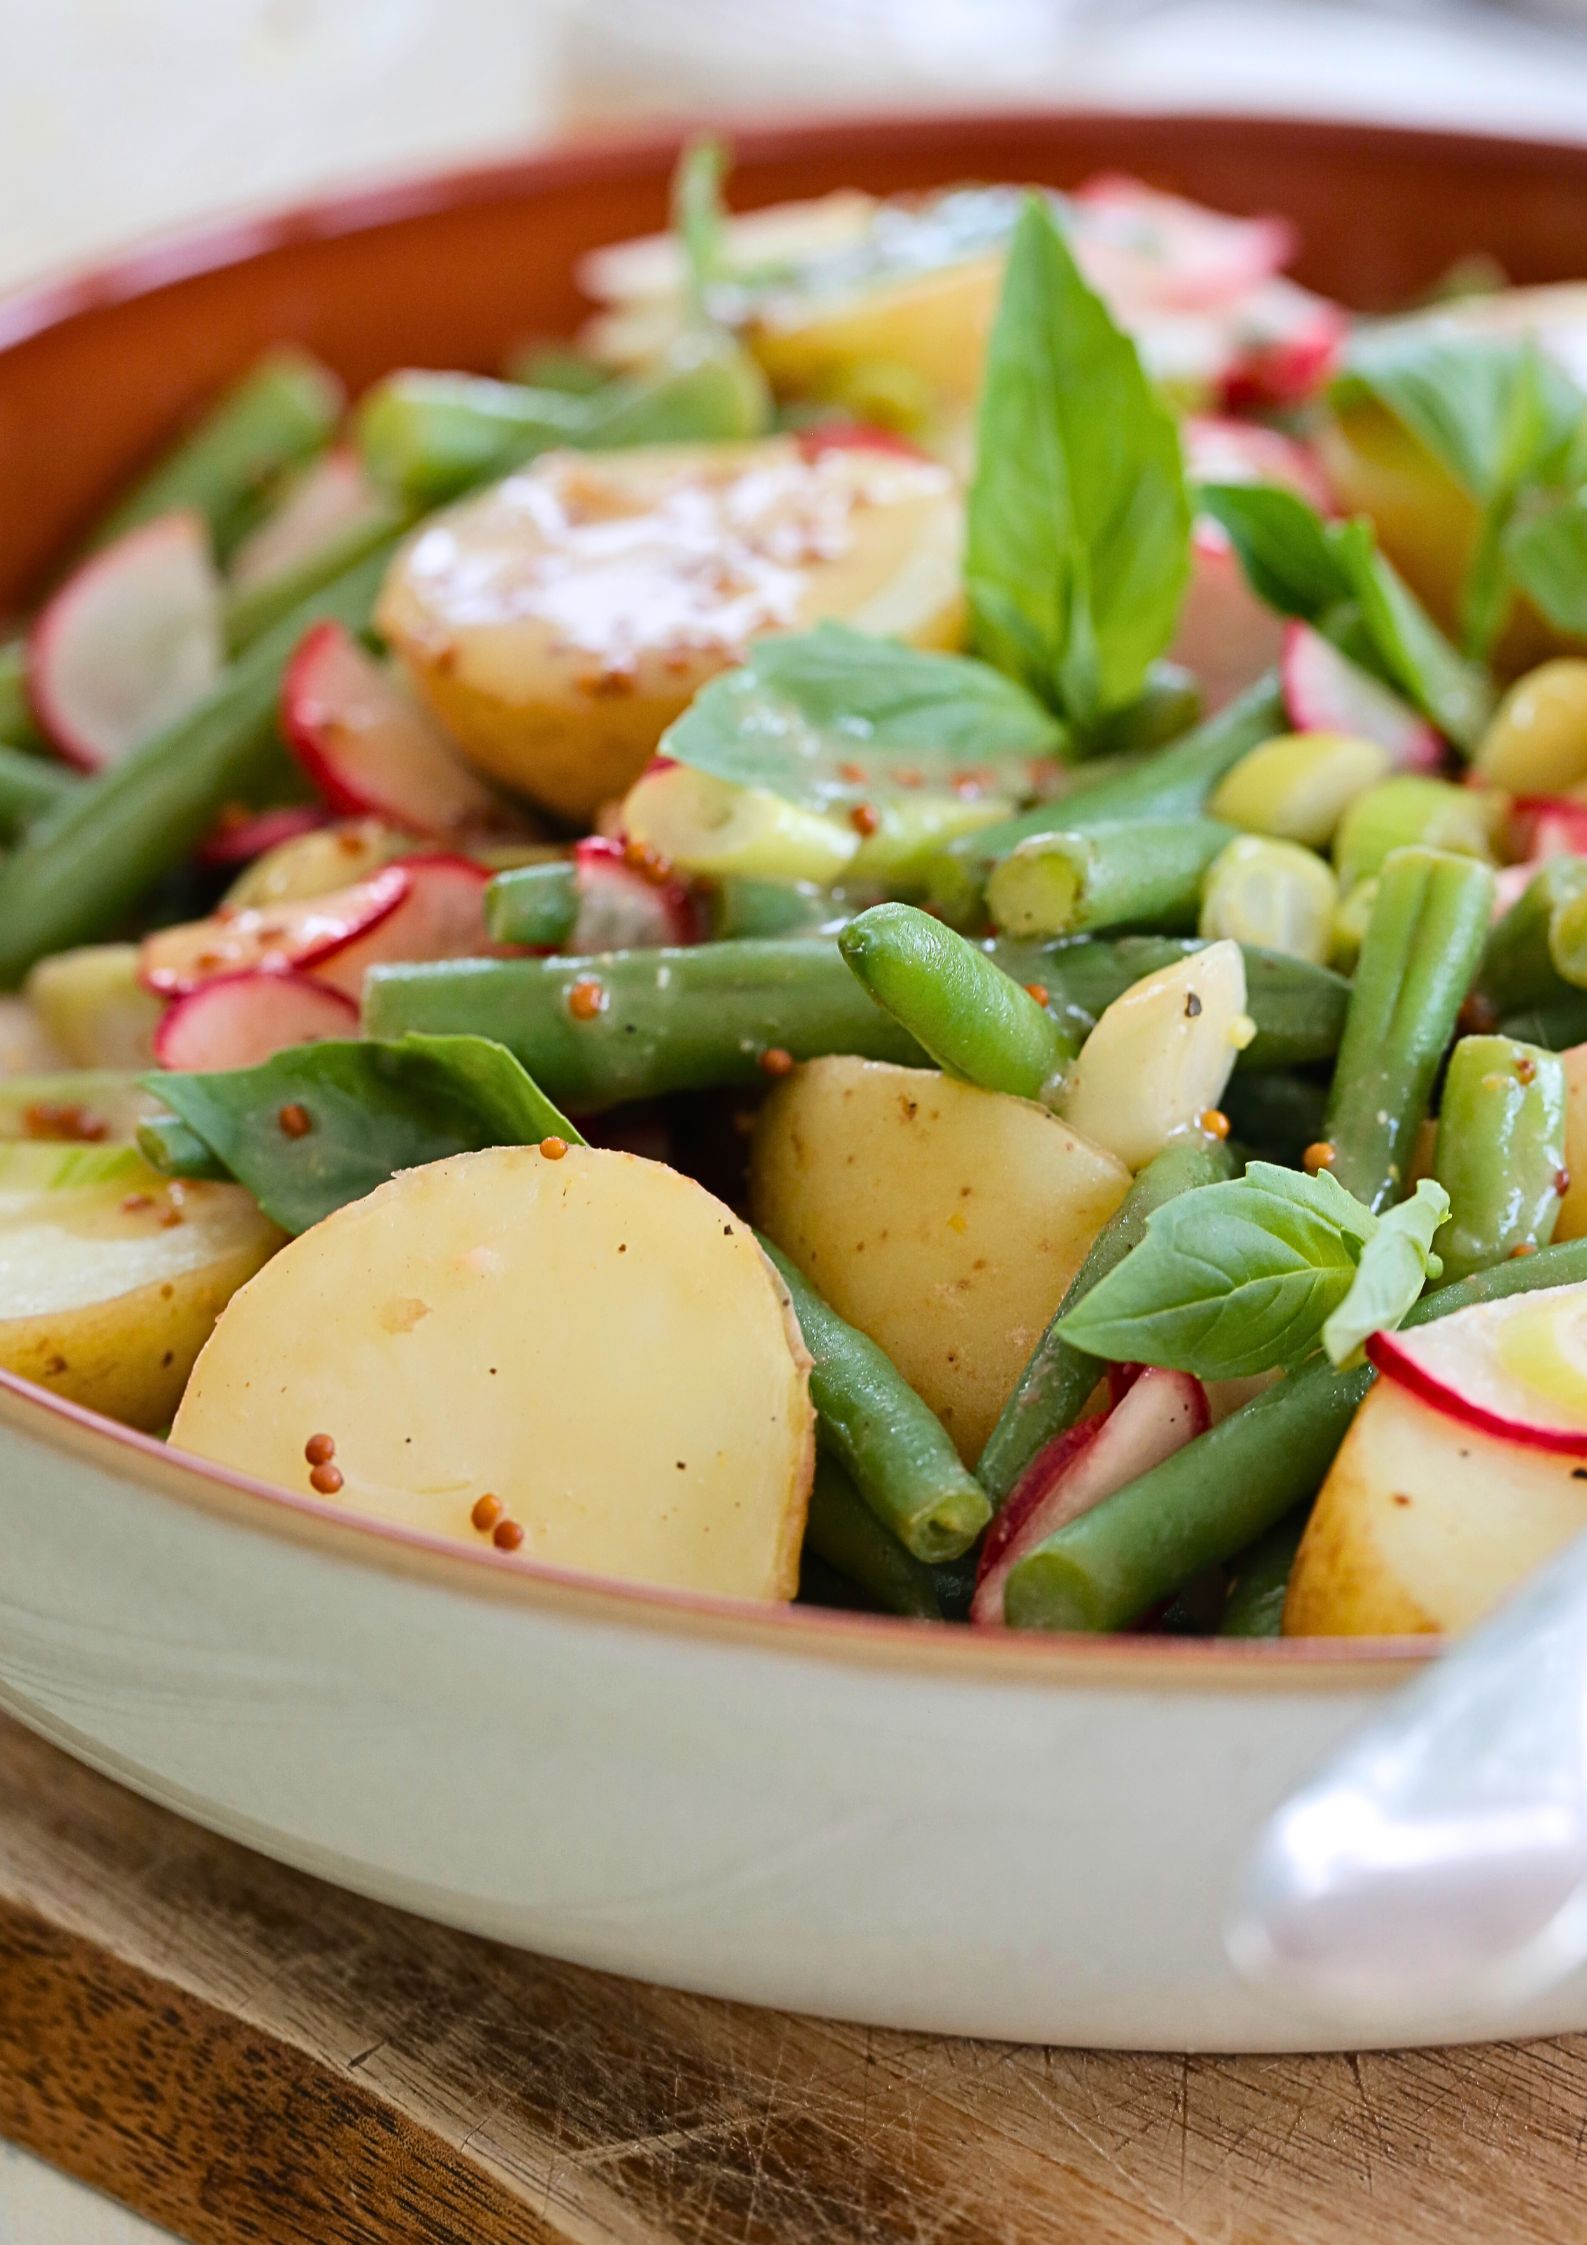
(855,436)
(620,908)
(270,938)
(1327,693)
(1548,826)
(130,643)
(440,915)
(328,500)
(370,750)
(1226,638)
(1158,1413)
(240,837)
(1218,450)
(242,1019)
(1516,1368)
(1136,244)
(1284,343)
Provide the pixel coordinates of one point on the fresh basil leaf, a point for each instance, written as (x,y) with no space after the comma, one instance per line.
(373,1108)
(1412,653)
(1396,1263)
(1491,409)
(1546,549)
(700,223)
(1230,1280)
(832,716)
(1282,544)
(1078,549)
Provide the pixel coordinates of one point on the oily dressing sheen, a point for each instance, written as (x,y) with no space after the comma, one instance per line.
(594,1341)
(559,622)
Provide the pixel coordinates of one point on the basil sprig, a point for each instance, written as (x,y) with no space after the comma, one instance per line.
(367,1109)
(699,222)
(1250,1275)
(1332,576)
(1078,549)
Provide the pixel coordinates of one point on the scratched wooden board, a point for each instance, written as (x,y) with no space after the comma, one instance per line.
(246,2055)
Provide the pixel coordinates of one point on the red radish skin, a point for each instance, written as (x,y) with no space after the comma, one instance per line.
(242,1019)
(239,840)
(131,641)
(1548,826)
(1396,1356)
(621,909)
(440,915)
(1225,637)
(1220,450)
(1138,245)
(1299,338)
(1324,692)
(855,436)
(269,939)
(328,500)
(1158,1413)
(372,752)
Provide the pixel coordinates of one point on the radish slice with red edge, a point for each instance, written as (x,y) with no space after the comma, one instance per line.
(440,915)
(854,436)
(1226,638)
(620,908)
(1548,826)
(1218,450)
(1284,344)
(1325,692)
(1516,1368)
(304,933)
(1139,245)
(370,750)
(242,836)
(324,503)
(241,1019)
(131,642)
(1158,1413)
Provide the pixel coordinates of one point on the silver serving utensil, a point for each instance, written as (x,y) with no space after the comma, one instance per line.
(1439,1864)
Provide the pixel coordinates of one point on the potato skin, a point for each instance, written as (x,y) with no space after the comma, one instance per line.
(557,624)
(943,1221)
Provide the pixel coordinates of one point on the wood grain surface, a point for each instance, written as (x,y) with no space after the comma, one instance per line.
(245,2055)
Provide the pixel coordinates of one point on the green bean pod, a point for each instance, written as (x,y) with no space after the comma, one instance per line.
(104,846)
(1518,964)
(1276,1115)
(17,722)
(1254,1605)
(1058,1381)
(842,1529)
(1147,873)
(251,610)
(957,1003)
(892,1445)
(283,410)
(30,786)
(1174,783)
(1500,1153)
(1212,1500)
(535,904)
(175,1148)
(1423,941)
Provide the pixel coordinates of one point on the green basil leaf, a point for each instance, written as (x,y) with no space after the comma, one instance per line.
(1078,549)
(831,716)
(1491,409)
(700,222)
(1411,652)
(1396,1263)
(1230,1280)
(373,1108)
(1546,548)
(1282,544)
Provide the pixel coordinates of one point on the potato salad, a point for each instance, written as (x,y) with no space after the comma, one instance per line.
(906,928)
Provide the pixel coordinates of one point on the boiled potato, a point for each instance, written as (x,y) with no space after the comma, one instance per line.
(313,864)
(943,1221)
(558,623)
(94,1008)
(26,1046)
(80,1106)
(935,323)
(111,1276)
(1426,1523)
(596,1342)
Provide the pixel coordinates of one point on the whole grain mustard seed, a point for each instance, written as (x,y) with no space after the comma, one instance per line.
(776,1060)
(865,818)
(553,1147)
(1214,1122)
(486,1512)
(326,1479)
(1038,991)
(506,1535)
(294,1120)
(1320,1154)
(320,1449)
(587,998)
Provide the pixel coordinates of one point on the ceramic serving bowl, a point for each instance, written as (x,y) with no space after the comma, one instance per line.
(884,1821)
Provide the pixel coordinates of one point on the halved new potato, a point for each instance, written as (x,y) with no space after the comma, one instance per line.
(943,1221)
(1426,1522)
(111,1275)
(94,1008)
(594,1342)
(558,623)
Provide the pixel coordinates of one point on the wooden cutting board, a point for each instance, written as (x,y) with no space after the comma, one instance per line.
(246,2055)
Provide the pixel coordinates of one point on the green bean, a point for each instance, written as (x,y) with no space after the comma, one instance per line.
(671,1020)
(842,1529)
(1147,873)
(1299,1009)
(175,1148)
(535,904)
(17,722)
(957,1003)
(740,906)
(1212,1499)
(893,1447)
(106,844)
(429,437)
(1422,946)
(1567,941)
(1500,1154)
(1277,1115)
(285,408)
(1254,1606)
(1411,811)
(29,786)
(1279,896)
(1518,963)
(251,610)
(1058,1381)
(1173,783)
